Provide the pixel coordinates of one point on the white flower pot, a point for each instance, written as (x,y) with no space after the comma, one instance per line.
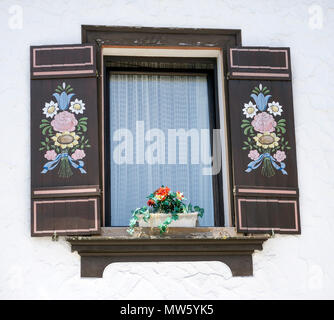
(185,220)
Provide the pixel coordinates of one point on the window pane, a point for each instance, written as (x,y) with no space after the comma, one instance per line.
(159,102)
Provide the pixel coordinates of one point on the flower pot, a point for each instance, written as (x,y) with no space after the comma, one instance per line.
(185,220)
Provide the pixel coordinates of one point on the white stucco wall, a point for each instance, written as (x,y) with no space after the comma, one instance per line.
(288,267)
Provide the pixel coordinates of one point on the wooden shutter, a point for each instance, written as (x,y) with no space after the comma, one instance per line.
(263,140)
(65,175)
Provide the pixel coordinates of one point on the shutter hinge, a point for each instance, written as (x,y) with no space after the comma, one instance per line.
(234,190)
(228,75)
(99,42)
(55,236)
(97,74)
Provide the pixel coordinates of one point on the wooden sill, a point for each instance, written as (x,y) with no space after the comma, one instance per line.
(178,244)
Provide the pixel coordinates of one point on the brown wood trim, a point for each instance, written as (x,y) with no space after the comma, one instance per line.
(286,66)
(243,64)
(259,191)
(265,75)
(71,192)
(98,31)
(64,229)
(63,61)
(278,229)
(98,252)
(163,47)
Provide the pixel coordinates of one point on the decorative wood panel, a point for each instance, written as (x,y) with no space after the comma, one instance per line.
(263,140)
(259,63)
(64,140)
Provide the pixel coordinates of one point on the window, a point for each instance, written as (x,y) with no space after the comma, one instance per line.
(122,74)
(160,114)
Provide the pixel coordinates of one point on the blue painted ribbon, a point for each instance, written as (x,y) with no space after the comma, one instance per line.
(53,164)
(256,163)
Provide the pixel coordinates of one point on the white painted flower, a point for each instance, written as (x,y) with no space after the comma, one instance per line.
(50,109)
(250,109)
(77,106)
(275,108)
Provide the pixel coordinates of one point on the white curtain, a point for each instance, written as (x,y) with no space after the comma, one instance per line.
(163,102)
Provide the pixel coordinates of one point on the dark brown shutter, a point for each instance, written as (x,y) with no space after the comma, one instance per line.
(65,176)
(263,145)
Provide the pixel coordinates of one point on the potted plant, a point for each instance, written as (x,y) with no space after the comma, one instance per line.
(165,208)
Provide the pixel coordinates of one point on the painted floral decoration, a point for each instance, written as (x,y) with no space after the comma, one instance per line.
(264,133)
(64,140)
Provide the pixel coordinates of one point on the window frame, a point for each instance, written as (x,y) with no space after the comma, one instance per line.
(198,42)
(212,81)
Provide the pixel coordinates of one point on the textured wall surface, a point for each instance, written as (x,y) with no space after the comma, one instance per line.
(288,267)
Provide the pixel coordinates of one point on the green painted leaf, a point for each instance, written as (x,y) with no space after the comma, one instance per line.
(246,131)
(45,129)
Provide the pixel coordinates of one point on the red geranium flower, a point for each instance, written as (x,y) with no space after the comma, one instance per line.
(150,203)
(163,191)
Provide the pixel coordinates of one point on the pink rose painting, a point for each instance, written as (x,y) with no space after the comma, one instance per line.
(64,121)
(253,154)
(50,155)
(280,156)
(78,154)
(264,122)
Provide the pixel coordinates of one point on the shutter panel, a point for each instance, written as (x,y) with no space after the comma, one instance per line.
(263,140)
(65,176)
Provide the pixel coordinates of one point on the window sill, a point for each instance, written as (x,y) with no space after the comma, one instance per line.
(179,244)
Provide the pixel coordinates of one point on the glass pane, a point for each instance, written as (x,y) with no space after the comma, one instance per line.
(158,102)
